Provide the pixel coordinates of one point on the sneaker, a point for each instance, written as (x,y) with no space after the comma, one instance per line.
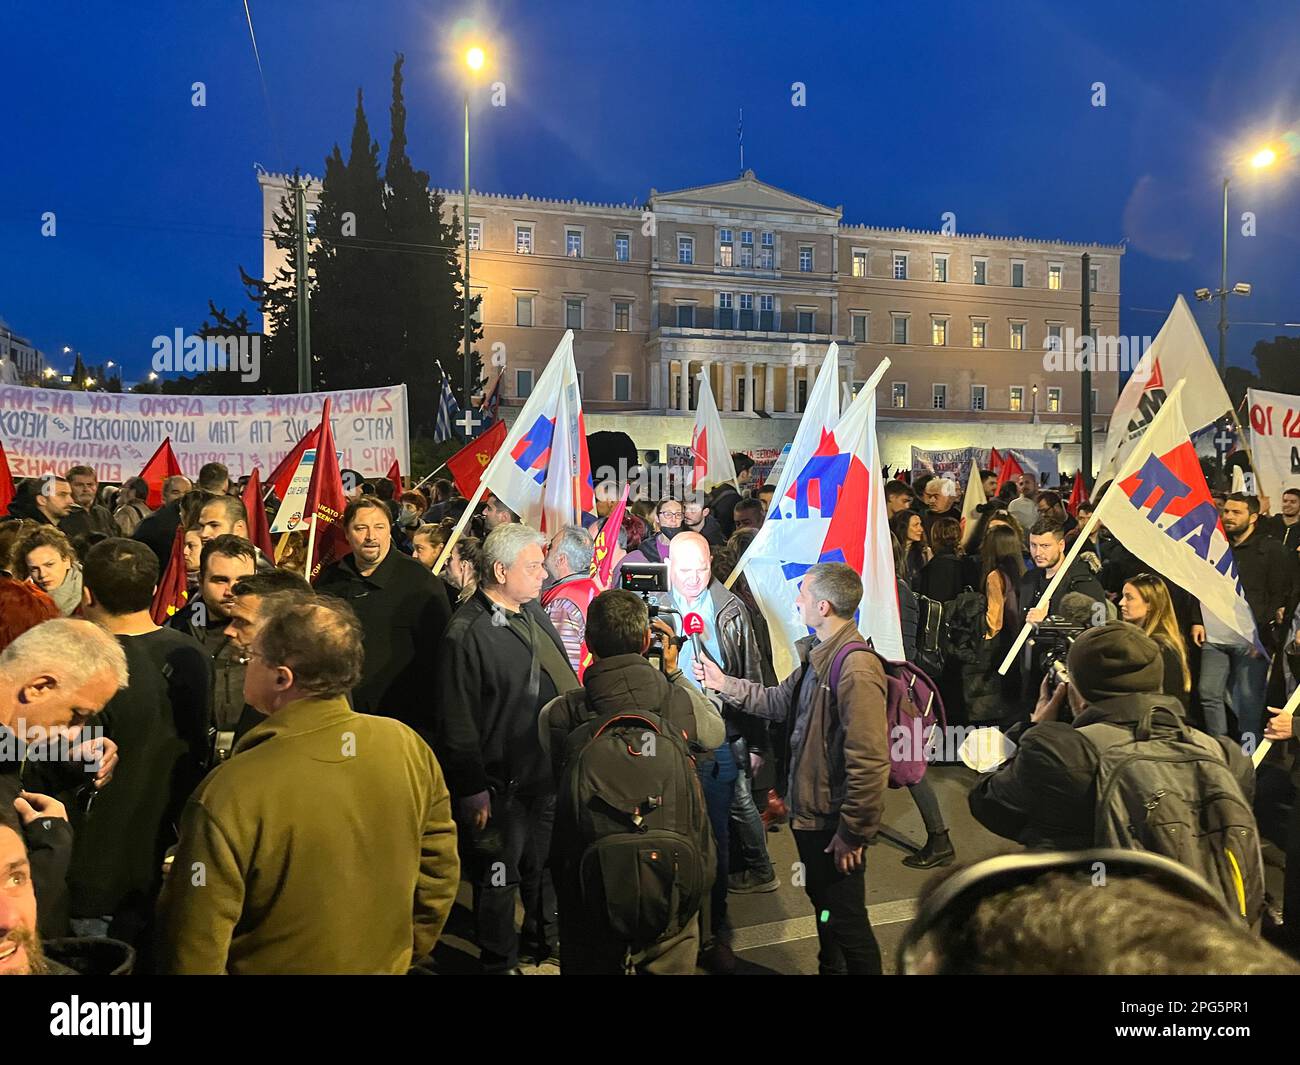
(747,883)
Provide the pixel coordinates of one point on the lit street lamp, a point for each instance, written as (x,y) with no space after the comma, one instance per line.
(1259,160)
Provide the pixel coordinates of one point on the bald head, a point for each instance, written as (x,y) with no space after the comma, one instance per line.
(689,562)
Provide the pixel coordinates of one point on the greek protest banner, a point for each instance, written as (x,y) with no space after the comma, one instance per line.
(1275,442)
(953,463)
(46,431)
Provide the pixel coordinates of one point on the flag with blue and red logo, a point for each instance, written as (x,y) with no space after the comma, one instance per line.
(829,506)
(1160,509)
(542,471)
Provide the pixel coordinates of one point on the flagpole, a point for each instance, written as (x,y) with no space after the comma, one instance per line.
(469,509)
(427,476)
(311,546)
(866,389)
(1130,465)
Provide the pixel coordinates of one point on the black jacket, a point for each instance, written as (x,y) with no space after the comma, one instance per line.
(404,612)
(24,506)
(1078,578)
(227,671)
(89,956)
(722,508)
(158,531)
(1118,563)
(49,844)
(81,522)
(942,578)
(486,699)
(1046,795)
(1267,576)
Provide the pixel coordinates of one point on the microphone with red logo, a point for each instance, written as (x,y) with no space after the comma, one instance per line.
(692,626)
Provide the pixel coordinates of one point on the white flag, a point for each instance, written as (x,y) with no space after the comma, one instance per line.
(1177,352)
(1275,443)
(712,461)
(975,498)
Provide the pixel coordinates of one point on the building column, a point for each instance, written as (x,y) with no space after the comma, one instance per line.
(790,373)
(769,385)
(727,399)
(749,388)
(812,376)
(684,400)
(665,376)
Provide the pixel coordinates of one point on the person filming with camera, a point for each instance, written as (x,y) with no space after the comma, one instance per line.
(1127,770)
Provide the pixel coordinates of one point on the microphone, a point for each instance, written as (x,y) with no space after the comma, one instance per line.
(692,626)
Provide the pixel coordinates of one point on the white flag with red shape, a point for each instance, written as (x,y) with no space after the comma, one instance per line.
(711,460)
(542,471)
(1159,507)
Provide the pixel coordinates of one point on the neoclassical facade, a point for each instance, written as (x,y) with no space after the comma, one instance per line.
(749,284)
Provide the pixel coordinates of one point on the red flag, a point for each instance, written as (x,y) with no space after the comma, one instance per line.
(6,483)
(468,464)
(325,502)
(163,465)
(395,475)
(258,529)
(1077,495)
(172,592)
(602,559)
(283,473)
(995,461)
(1010,468)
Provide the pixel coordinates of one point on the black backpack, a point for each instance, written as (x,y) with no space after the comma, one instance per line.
(632,814)
(930,650)
(1173,793)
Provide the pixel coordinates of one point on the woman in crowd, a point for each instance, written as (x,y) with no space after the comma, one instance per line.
(193,553)
(46,559)
(981,641)
(461,571)
(941,578)
(938,849)
(908,528)
(1145,602)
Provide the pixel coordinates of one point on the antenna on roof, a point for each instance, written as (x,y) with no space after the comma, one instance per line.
(740,139)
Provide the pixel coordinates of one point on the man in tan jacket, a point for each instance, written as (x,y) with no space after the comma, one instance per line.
(326,843)
(838,761)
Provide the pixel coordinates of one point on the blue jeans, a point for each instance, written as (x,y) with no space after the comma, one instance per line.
(718,779)
(747,824)
(1232,671)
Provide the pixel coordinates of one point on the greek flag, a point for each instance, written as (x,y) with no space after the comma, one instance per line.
(448,408)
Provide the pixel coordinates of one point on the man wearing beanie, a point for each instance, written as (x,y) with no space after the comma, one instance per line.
(1046,795)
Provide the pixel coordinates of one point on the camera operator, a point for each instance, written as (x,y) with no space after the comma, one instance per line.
(622,680)
(1046,794)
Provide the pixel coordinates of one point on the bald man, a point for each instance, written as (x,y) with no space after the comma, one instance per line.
(728,639)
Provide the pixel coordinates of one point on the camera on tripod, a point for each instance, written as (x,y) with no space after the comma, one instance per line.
(1052,641)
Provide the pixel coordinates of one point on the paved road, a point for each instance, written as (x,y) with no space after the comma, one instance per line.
(774,932)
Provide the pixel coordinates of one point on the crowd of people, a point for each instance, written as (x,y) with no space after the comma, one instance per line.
(295,777)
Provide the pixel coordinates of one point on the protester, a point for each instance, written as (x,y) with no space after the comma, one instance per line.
(1024,506)
(403,612)
(54,678)
(327,842)
(1234,672)
(251,602)
(982,627)
(942,578)
(500,662)
(989,481)
(764,495)
(441,493)
(158,530)
(668,516)
(722,504)
(728,639)
(1047,795)
(132,505)
(898,498)
(839,761)
(1145,602)
(47,559)
(748,514)
(214,478)
(1047,549)
(86,516)
(161,724)
(940,501)
(698,518)
(1285,527)
(568,564)
(621,681)
(427,543)
(45,500)
(12,532)
(462,569)
(23,606)
(910,530)
(496,513)
(222,516)
(192,550)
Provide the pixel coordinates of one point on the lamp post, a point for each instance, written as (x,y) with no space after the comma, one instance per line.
(1260,160)
(474,60)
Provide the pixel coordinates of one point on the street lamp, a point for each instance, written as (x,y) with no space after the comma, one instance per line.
(1033,419)
(1259,160)
(474,60)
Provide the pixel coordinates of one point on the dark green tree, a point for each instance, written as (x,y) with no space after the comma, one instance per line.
(1278,363)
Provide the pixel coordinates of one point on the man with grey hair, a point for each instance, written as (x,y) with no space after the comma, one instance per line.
(940,497)
(500,662)
(838,744)
(326,843)
(53,679)
(132,505)
(568,562)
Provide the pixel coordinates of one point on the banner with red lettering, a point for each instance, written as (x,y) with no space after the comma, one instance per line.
(1275,442)
(46,430)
